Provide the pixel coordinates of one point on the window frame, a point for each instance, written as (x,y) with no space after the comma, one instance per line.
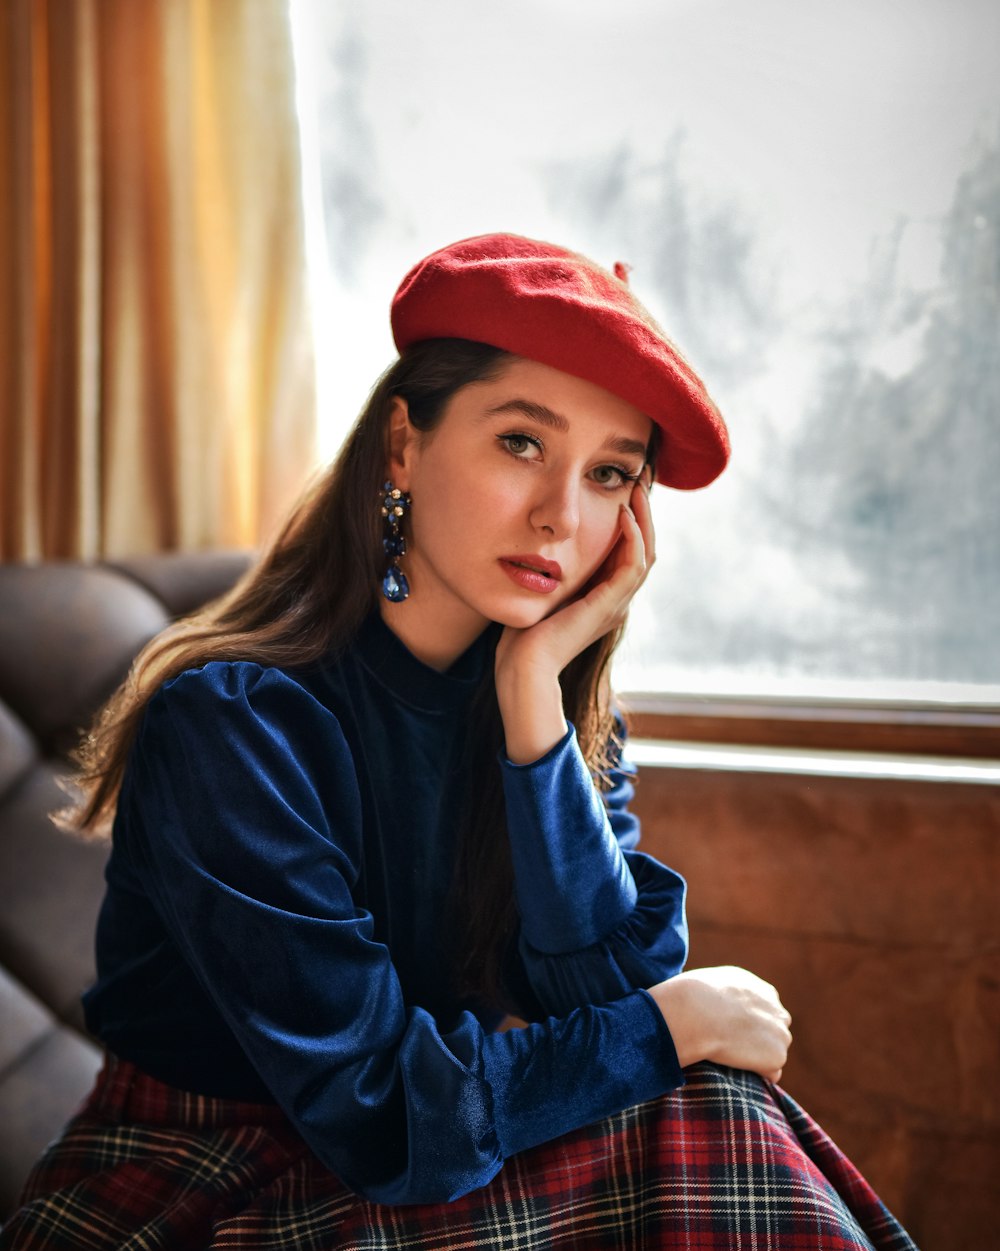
(823,724)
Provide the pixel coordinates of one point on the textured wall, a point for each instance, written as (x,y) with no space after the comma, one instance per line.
(874,906)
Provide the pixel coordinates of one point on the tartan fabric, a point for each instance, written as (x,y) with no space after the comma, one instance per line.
(728,1161)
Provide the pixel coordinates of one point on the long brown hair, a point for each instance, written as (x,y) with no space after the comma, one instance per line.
(307,597)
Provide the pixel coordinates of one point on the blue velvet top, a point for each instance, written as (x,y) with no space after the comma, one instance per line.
(276,920)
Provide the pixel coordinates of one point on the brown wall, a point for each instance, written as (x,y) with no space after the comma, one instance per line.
(874,907)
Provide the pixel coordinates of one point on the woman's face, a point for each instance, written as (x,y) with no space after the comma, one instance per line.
(516,495)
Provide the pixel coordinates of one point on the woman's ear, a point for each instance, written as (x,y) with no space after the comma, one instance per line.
(402,443)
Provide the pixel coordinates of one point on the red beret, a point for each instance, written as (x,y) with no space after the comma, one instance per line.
(551,305)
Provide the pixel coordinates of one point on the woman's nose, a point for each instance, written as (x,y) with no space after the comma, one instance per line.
(556,508)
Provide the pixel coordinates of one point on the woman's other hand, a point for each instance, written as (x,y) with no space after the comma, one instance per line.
(727,1015)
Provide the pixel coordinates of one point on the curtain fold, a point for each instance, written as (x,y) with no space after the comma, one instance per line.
(156,384)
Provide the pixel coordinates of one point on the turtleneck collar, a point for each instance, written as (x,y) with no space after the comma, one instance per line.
(412,682)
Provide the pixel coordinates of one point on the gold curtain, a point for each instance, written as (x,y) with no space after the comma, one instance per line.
(156,373)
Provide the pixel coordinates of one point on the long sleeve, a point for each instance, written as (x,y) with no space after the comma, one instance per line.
(243,819)
(598,917)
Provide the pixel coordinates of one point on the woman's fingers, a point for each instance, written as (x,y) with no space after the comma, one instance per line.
(643,513)
(636,551)
(634,543)
(636,528)
(611,588)
(615,583)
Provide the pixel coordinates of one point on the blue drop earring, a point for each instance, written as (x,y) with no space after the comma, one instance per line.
(395,504)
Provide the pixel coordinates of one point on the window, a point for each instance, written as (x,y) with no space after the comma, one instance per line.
(809,199)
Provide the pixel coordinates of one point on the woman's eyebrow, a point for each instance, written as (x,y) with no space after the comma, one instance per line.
(546,416)
(537,412)
(627,447)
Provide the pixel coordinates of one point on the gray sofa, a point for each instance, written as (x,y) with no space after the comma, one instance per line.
(68,632)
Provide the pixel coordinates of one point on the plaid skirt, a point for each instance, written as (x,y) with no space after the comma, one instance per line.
(729,1161)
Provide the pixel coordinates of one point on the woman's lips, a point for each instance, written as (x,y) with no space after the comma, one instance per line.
(534,573)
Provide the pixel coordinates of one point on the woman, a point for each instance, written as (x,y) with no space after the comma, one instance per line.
(379,964)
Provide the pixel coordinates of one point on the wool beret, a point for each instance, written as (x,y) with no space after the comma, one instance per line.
(548,304)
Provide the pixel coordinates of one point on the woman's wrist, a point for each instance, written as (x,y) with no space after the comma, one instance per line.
(532,713)
(680,1005)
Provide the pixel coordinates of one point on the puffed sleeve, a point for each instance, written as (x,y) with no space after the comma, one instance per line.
(246,829)
(598,917)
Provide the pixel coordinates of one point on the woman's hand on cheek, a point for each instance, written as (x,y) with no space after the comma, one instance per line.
(530,660)
(631,558)
(599,606)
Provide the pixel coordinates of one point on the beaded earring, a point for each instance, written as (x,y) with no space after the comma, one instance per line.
(394,506)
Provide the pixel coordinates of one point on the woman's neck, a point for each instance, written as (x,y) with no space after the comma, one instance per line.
(436,636)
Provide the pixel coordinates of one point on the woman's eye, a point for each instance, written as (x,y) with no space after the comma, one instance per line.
(520,444)
(613,476)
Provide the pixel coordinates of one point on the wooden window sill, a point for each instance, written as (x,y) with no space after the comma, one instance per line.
(965,731)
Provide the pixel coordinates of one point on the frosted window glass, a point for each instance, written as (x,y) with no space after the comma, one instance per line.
(809,198)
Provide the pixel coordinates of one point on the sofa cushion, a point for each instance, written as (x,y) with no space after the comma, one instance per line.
(85,625)
(25,1021)
(47,921)
(47,1070)
(68,633)
(17,749)
(184,583)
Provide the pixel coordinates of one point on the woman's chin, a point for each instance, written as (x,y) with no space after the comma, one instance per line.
(522,616)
